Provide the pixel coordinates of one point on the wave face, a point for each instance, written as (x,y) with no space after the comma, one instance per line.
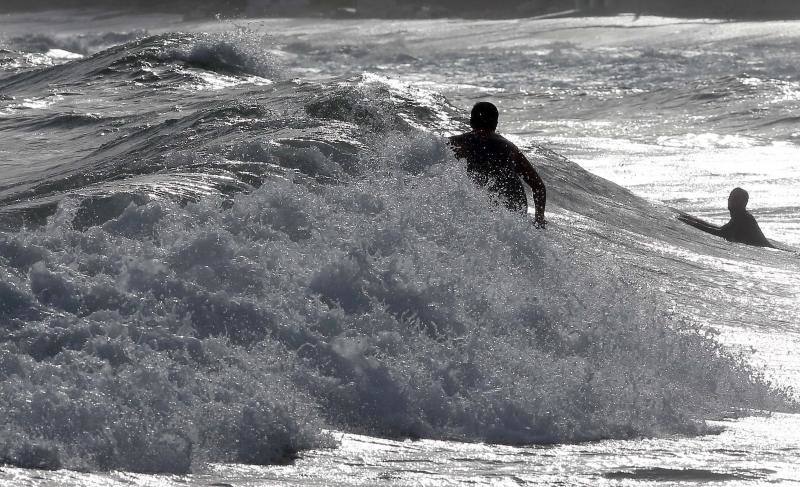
(204,262)
(677,110)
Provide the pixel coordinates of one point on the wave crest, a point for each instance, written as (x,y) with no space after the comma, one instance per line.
(86,44)
(160,60)
(400,303)
(238,52)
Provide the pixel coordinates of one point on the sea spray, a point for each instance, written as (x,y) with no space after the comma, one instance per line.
(241,51)
(400,304)
(347,274)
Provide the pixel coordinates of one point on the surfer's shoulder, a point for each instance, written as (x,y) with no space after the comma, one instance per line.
(499,139)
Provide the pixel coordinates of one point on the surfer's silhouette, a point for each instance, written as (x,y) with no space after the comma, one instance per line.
(742,227)
(497,164)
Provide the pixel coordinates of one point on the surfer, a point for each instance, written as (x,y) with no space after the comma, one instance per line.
(497,164)
(742,227)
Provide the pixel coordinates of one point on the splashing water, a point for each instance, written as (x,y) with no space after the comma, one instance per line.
(227,280)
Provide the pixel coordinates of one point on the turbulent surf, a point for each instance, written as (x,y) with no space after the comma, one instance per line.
(207,258)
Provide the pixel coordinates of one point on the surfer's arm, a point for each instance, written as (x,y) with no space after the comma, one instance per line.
(532,179)
(704,225)
(726,231)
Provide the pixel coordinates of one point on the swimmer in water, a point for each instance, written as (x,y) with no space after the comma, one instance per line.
(742,227)
(497,164)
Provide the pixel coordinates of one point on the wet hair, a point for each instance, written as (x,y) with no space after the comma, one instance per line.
(738,198)
(484,116)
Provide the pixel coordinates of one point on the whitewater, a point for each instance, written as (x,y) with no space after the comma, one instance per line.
(241,253)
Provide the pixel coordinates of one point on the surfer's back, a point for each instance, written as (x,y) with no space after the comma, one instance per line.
(497,164)
(491,162)
(743,228)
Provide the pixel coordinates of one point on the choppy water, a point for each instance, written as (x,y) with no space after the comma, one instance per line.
(218,246)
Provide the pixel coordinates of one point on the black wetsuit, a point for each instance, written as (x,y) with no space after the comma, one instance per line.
(497,164)
(742,228)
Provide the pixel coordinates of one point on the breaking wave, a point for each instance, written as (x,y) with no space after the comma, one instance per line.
(159,61)
(229,283)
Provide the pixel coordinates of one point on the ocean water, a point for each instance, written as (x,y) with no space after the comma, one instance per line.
(241,253)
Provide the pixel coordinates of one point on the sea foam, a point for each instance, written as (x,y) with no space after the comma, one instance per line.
(400,304)
(362,283)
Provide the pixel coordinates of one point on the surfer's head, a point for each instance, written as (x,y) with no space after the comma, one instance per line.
(484,116)
(737,201)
